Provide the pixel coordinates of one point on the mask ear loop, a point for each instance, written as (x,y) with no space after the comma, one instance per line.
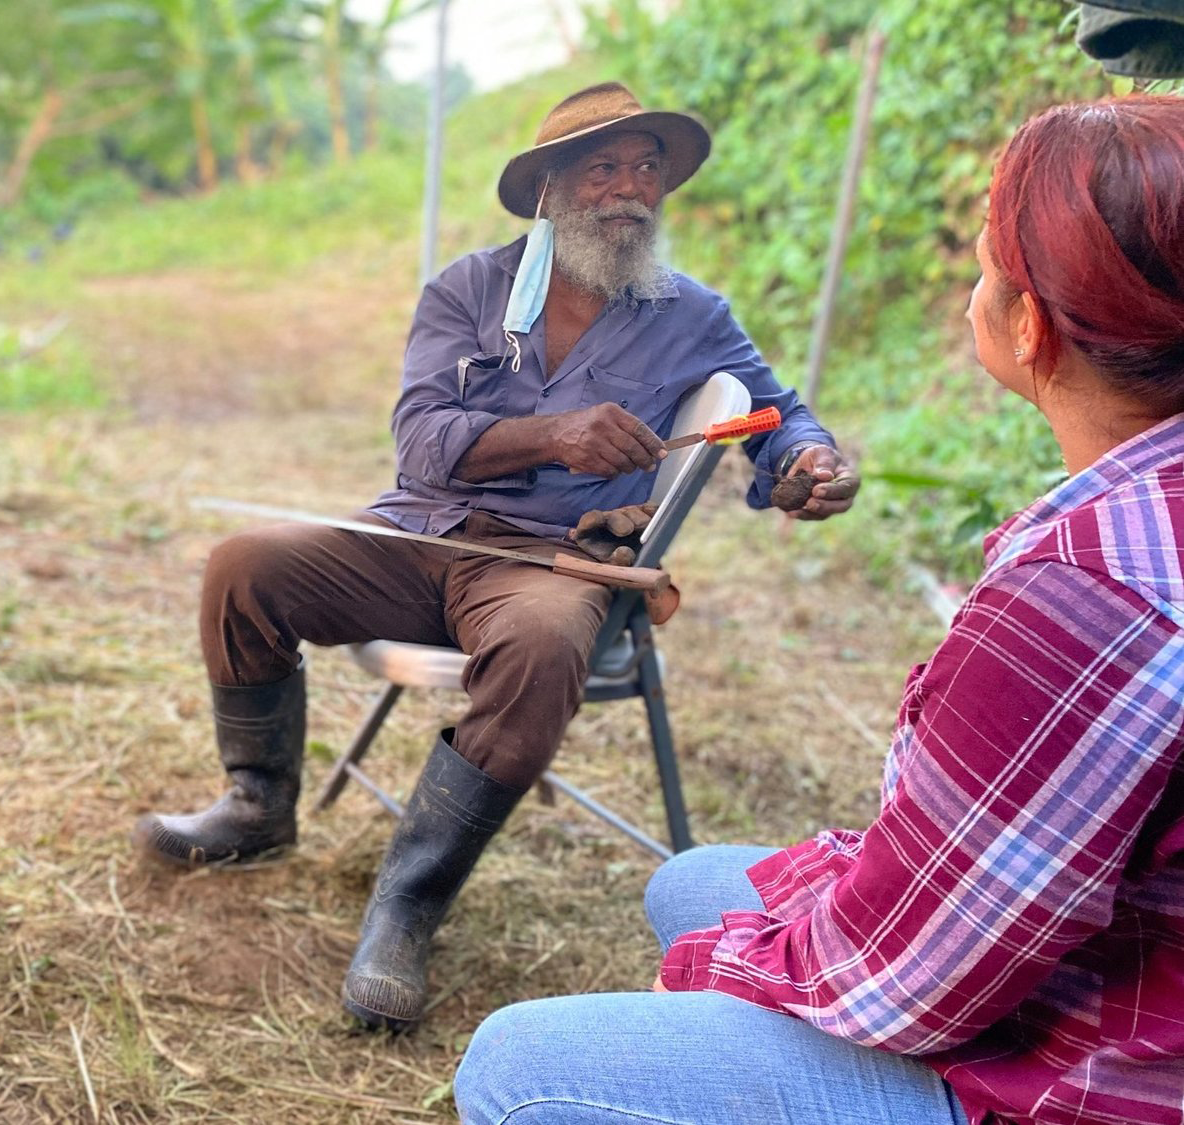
(511,339)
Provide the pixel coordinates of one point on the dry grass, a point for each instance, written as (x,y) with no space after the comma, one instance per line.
(136,995)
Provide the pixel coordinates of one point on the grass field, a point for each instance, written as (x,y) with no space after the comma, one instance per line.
(251,349)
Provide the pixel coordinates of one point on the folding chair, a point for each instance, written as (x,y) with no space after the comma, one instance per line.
(625,662)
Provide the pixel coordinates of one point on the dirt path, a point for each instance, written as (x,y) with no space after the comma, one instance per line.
(213,996)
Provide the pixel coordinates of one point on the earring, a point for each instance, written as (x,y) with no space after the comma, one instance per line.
(1019,353)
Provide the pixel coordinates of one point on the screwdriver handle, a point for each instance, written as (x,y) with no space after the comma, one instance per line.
(743,425)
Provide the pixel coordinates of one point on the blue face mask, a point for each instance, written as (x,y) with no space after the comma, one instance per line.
(531,282)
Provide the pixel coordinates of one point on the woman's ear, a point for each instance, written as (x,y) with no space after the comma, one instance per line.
(1029,330)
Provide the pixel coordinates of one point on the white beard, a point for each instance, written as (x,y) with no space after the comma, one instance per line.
(616,263)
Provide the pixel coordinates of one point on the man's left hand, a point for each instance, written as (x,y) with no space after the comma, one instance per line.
(614,536)
(835,491)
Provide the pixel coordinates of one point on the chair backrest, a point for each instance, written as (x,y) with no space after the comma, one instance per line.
(723,396)
(680,479)
(684,472)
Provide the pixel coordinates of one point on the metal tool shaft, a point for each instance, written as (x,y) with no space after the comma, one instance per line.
(294,515)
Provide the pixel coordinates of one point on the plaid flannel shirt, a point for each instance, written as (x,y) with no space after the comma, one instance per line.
(1016,912)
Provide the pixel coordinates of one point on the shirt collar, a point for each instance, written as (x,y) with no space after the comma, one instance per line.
(1146,452)
(510,255)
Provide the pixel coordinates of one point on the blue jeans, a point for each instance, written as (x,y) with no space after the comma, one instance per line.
(686,1058)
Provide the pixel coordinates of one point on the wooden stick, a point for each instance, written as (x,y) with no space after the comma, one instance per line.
(629,577)
(843,214)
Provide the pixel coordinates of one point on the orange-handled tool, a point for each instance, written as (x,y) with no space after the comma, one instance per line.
(734,429)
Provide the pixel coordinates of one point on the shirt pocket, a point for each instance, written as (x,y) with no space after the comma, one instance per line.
(640,399)
(483,381)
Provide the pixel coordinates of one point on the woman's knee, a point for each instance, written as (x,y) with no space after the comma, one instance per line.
(668,885)
(483,1087)
(468,1086)
(691,890)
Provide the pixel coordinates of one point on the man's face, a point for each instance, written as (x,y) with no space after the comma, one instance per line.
(604,206)
(626,167)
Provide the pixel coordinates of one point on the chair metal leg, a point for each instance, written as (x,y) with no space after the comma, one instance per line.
(356,750)
(655,706)
(375,790)
(607,815)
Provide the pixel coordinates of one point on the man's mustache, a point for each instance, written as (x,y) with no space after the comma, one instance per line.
(625,210)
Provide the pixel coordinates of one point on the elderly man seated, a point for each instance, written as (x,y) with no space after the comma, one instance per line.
(540,380)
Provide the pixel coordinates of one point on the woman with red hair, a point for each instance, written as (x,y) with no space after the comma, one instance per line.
(1009,934)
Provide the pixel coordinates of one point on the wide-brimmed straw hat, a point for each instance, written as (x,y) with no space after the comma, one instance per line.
(607,108)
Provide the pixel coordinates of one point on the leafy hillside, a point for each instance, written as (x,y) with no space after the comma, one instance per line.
(355,217)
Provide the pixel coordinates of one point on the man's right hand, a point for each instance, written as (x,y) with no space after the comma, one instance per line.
(605,441)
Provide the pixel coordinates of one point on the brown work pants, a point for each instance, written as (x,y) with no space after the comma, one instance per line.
(528,631)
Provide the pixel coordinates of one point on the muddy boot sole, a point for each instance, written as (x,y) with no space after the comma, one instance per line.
(372,1000)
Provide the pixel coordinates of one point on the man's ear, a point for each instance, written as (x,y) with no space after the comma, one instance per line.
(1030,330)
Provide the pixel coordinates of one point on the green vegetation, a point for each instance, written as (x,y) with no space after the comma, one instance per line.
(255,228)
(29,378)
(263,229)
(102,101)
(357,215)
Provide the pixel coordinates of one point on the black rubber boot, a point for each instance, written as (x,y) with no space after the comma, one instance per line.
(453,813)
(260,733)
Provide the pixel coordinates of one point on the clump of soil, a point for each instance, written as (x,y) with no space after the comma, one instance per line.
(791,493)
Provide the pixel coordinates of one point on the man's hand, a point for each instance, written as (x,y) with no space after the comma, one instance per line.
(613,537)
(605,441)
(834,490)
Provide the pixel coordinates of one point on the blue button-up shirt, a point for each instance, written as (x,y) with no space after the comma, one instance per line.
(642,355)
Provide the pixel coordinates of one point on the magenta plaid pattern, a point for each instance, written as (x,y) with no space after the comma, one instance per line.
(1016,912)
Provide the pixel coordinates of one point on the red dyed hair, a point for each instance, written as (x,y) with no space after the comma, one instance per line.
(1087,215)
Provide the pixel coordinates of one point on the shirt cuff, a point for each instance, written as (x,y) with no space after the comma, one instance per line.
(766,463)
(687,964)
(456,432)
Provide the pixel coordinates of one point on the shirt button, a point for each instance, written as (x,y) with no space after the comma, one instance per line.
(546,394)
(624,402)
(434,530)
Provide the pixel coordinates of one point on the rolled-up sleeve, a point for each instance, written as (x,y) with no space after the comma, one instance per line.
(431,426)
(734,352)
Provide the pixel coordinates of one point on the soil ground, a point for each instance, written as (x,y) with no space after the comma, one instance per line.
(132,994)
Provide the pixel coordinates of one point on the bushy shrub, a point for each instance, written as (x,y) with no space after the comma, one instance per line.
(777,84)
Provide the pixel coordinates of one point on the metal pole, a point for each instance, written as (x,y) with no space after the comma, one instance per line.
(435,151)
(856,147)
